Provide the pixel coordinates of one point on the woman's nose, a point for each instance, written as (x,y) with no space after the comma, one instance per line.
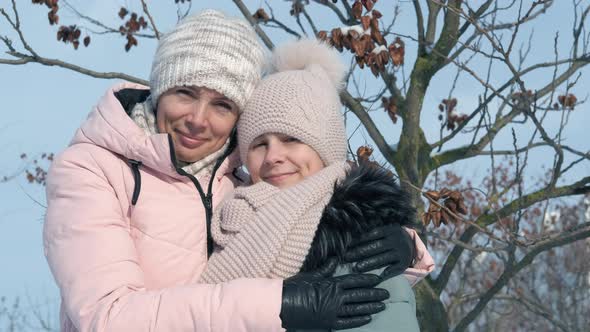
(198,117)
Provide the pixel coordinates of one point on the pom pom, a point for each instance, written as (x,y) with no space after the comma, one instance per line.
(304,54)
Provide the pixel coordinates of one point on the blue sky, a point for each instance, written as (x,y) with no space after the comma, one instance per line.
(42,107)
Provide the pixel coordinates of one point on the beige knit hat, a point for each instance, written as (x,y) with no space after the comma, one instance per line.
(299,99)
(210,50)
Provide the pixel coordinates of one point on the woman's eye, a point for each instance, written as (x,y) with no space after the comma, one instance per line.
(225,105)
(184,92)
(290,139)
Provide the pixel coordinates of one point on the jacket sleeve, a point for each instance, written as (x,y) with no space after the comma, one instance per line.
(400,309)
(423,263)
(93,259)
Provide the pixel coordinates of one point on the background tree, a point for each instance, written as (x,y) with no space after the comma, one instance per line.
(509,243)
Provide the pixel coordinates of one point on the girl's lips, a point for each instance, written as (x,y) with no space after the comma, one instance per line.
(190,142)
(277,178)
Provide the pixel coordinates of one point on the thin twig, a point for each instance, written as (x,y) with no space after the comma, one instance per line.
(102,25)
(310,21)
(54,62)
(248,16)
(16,26)
(147,13)
(512,270)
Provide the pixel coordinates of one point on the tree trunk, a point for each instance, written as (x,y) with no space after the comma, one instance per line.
(430,310)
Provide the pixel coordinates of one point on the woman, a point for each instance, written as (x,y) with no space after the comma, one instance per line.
(126,232)
(306,205)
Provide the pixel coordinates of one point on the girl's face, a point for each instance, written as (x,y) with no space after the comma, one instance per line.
(281,160)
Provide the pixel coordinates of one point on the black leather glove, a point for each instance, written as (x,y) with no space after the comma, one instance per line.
(386,246)
(343,302)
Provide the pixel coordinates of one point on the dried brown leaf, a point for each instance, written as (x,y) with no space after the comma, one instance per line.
(425,219)
(436,218)
(364,152)
(261,15)
(366,22)
(123,12)
(432,194)
(357,9)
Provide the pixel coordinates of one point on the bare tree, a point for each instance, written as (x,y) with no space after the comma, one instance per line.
(28,317)
(490,234)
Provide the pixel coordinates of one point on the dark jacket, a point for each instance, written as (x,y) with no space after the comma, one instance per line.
(366,198)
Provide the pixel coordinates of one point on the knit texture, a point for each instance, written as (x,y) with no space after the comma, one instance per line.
(209,50)
(144,117)
(266,232)
(300,100)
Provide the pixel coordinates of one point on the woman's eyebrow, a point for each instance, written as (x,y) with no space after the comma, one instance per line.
(227,100)
(224,98)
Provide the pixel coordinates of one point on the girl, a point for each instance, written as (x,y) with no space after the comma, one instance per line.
(306,204)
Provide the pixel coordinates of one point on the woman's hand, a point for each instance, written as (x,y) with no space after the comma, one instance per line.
(314,302)
(387,246)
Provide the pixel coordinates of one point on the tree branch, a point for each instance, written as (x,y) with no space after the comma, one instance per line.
(584,59)
(461,153)
(107,29)
(23,59)
(389,80)
(341,17)
(420,26)
(512,152)
(537,309)
(433,10)
(474,16)
(578,188)
(16,26)
(369,125)
(564,238)
(147,13)
(254,24)
(449,34)
(279,24)
(310,21)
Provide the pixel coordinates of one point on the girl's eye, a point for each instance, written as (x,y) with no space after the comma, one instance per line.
(290,139)
(258,145)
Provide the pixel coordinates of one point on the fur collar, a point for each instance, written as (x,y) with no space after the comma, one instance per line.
(366,198)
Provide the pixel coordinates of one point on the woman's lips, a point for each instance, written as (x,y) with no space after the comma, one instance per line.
(189,141)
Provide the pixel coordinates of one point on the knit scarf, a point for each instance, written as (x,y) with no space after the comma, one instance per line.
(266,232)
(145,118)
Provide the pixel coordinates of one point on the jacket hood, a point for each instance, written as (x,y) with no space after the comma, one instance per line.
(109,126)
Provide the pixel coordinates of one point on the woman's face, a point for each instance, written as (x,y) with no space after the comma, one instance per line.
(281,160)
(199,120)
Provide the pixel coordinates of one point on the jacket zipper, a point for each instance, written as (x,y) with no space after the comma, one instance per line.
(206,199)
(137,180)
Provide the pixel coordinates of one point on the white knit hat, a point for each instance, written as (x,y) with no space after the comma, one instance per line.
(299,99)
(209,50)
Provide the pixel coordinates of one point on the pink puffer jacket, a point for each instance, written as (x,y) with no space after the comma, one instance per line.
(125,267)
(134,268)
